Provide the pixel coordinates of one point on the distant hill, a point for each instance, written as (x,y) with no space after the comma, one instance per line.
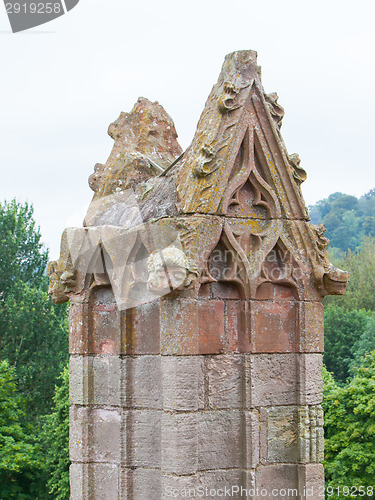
(346,218)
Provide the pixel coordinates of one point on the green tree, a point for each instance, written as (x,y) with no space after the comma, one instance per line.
(34,339)
(55,439)
(346,218)
(19,464)
(361,266)
(22,257)
(343,328)
(365,344)
(350,429)
(33,331)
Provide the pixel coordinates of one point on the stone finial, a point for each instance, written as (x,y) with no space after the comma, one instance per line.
(145,144)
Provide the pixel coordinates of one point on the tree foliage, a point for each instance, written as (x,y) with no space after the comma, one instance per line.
(55,439)
(22,257)
(33,331)
(364,345)
(19,464)
(346,218)
(361,267)
(350,428)
(34,342)
(343,328)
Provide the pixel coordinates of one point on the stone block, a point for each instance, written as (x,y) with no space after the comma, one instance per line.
(211,326)
(78,328)
(94,481)
(251,445)
(179,443)
(238,325)
(104,323)
(283,444)
(207,484)
(310,379)
(179,332)
(95,380)
(94,434)
(182,383)
(191,327)
(221,435)
(141,435)
(311,317)
(227,379)
(275,291)
(273,379)
(142,382)
(274,326)
(223,290)
(141,329)
(311,481)
(140,484)
(274,481)
(292,434)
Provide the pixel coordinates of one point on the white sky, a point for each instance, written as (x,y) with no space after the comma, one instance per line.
(62,84)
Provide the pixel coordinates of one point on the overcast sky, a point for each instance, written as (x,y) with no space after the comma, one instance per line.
(64,82)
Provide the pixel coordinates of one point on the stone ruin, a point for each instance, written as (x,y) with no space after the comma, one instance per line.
(196,323)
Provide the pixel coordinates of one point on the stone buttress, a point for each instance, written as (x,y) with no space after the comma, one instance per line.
(196,323)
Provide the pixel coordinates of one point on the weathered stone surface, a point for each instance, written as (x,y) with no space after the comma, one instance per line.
(95,434)
(141,435)
(142,382)
(275,326)
(205,484)
(311,317)
(276,480)
(221,435)
(139,484)
(182,383)
(95,380)
(168,382)
(78,328)
(283,436)
(251,453)
(273,379)
(191,327)
(94,481)
(141,329)
(311,481)
(145,144)
(226,377)
(310,378)
(180,443)
(292,434)
(238,325)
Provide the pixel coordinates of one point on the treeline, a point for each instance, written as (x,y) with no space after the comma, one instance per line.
(349,377)
(347,219)
(33,354)
(349,357)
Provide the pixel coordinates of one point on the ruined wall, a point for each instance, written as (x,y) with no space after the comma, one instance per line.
(196,324)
